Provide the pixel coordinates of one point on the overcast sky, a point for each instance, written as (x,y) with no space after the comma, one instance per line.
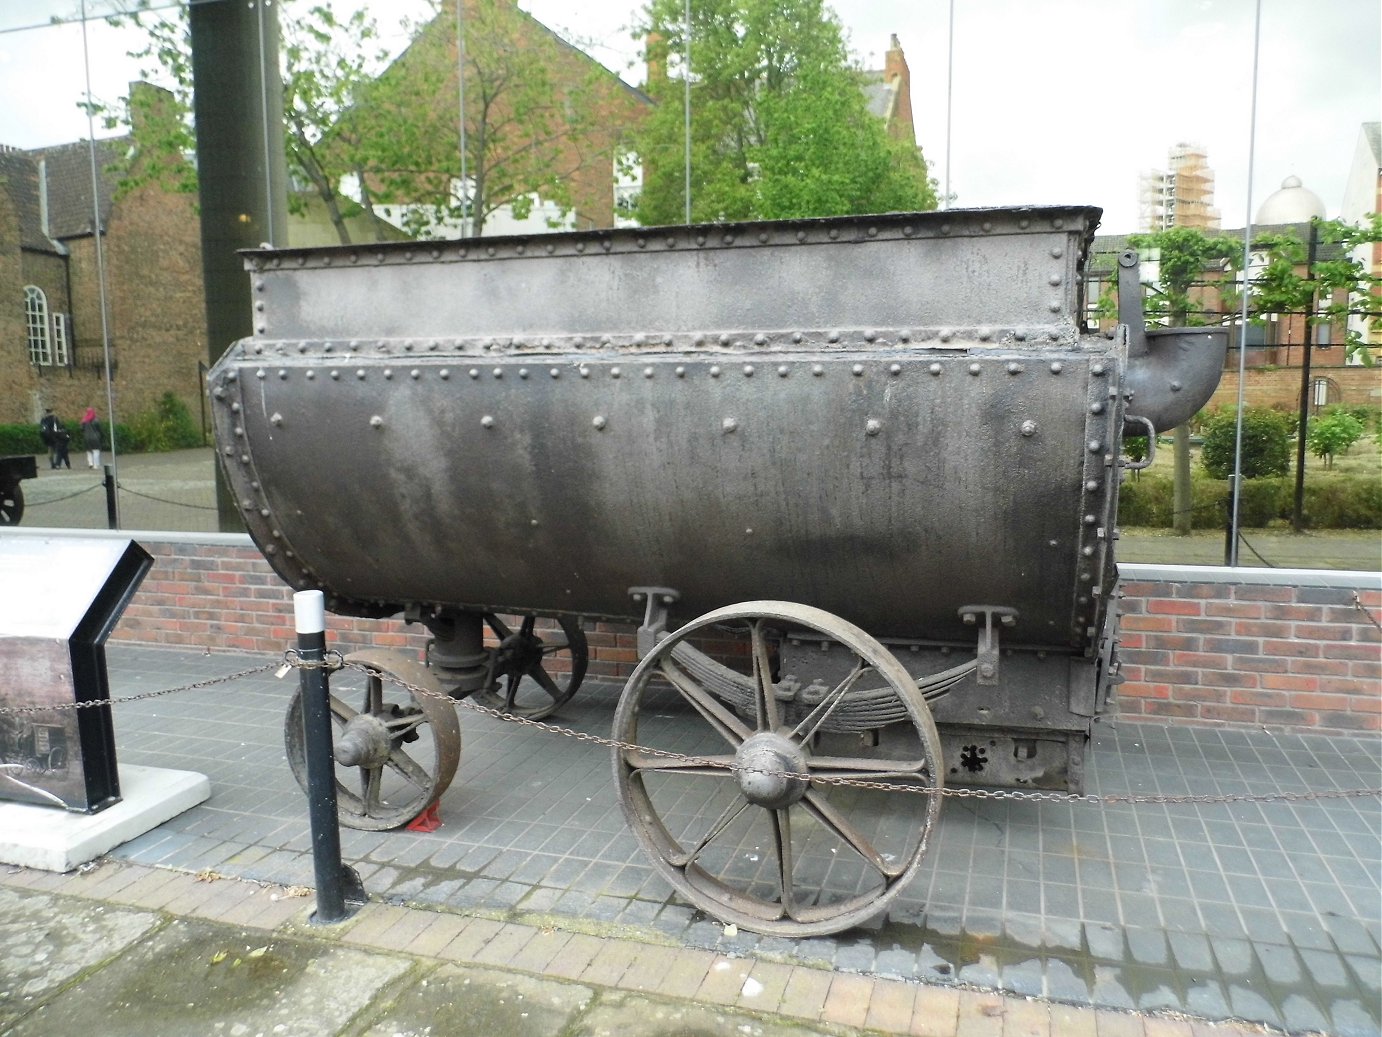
(1056,101)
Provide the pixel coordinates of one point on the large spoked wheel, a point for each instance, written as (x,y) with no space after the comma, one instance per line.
(755,831)
(11,505)
(395,754)
(535,671)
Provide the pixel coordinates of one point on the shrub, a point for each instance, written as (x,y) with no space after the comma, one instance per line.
(1333,432)
(1266,443)
(1343,502)
(166,426)
(21,439)
(1149,501)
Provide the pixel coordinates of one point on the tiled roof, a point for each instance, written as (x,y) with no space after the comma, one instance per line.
(68,169)
(19,179)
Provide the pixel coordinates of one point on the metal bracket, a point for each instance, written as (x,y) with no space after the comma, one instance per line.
(1146,462)
(987,655)
(654,627)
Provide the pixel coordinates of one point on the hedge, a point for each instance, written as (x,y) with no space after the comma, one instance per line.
(1332,501)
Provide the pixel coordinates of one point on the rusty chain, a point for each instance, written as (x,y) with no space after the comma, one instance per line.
(333,662)
(1358,604)
(881,786)
(93,703)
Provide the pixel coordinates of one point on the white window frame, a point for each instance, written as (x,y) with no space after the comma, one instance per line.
(36,328)
(62,339)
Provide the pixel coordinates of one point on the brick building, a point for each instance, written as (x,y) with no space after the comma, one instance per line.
(53,333)
(889,93)
(536,109)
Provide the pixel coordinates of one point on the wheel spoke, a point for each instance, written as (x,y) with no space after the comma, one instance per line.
(856,767)
(544,679)
(340,711)
(729,727)
(374,693)
(403,764)
(765,700)
(812,722)
(826,814)
(717,766)
(726,818)
(553,647)
(369,796)
(782,838)
(499,627)
(511,690)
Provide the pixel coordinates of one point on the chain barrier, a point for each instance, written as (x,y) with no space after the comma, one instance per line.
(334,662)
(30,503)
(1358,604)
(210,682)
(163,500)
(881,786)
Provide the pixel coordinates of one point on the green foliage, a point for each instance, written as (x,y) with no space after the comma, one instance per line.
(1149,502)
(780,126)
(1184,254)
(1266,443)
(1343,502)
(1333,432)
(21,439)
(521,119)
(168,425)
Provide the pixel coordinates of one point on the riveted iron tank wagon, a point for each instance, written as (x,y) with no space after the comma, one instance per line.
(882,452)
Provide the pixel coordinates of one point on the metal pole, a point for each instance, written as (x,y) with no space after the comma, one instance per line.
(460,100)
(686,104)
(98,231)
(1247,288)
(1230,537)
(1298,502)
(333,877)
(949,92)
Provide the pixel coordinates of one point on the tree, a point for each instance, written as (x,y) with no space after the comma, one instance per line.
(532,102)
(1333,433)
(533,114)
(780,127)
(326,64)
(1183,254)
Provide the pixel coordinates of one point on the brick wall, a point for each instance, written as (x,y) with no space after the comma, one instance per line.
(1285,649)
(1268,648)
(1280,386)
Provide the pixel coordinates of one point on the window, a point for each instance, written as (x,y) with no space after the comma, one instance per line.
(62,339)
(36,325)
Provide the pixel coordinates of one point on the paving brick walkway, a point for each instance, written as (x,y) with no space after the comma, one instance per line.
(179,938)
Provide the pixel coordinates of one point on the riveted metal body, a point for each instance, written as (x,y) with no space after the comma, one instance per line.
(890,418)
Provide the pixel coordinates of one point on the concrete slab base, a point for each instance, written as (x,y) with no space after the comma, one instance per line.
(57,840)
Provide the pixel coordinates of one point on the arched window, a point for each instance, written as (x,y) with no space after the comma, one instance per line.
(36,326)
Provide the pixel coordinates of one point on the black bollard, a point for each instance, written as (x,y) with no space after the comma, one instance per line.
(112,516)
(339,890)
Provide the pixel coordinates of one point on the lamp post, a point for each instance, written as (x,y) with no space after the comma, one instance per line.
(1298,504)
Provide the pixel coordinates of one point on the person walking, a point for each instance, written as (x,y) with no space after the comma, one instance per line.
(48,432)
(63,438)
(91,437)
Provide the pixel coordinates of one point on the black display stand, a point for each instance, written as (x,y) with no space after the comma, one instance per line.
(59,600)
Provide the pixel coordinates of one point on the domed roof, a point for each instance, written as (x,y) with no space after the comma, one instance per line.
(1291,204)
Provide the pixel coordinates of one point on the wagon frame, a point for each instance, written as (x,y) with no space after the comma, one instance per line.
(883,451)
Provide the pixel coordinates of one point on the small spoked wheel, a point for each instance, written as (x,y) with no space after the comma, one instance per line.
(396,753)
(11,505)
(535,670)
(796,827)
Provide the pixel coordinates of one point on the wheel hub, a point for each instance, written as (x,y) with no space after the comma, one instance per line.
(771,770)
(365,741)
